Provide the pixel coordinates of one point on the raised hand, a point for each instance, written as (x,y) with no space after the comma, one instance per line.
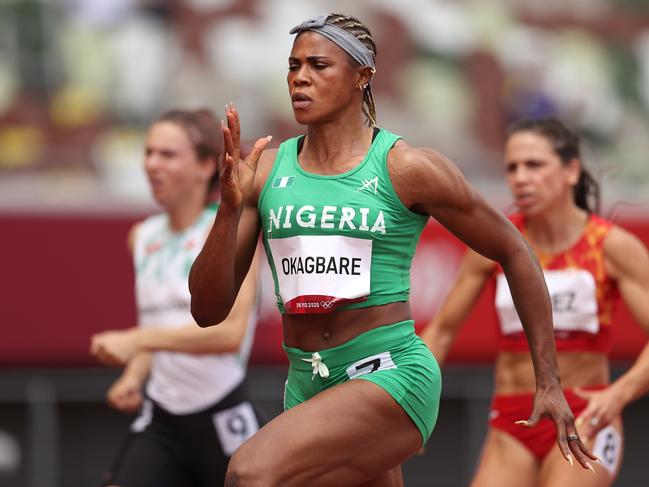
(237,176)
(551,403)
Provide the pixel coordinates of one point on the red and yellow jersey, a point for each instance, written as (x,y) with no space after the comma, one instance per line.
(583,296)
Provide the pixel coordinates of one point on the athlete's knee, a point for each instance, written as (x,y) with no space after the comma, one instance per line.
(246,470)
(239,475)
(231,480)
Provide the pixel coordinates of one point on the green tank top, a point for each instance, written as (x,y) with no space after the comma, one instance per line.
(337,242)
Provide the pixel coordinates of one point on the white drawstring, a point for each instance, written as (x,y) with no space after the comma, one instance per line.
(319,368)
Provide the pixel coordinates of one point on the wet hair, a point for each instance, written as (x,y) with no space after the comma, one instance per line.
(204,132)
(565,142)
(363,34)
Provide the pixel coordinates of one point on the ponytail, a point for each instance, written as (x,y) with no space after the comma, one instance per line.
(587,192)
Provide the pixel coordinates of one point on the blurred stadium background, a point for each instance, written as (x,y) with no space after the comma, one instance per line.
(81,79)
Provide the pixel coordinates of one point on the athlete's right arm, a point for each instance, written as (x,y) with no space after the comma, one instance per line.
(222,264)
(441,330)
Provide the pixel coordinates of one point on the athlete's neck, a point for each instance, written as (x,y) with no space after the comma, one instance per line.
(183,216)
(557,230)
(334,148)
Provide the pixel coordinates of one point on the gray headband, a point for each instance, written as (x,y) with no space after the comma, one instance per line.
(346,41)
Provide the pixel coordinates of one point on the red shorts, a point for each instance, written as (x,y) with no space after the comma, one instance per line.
(506,409)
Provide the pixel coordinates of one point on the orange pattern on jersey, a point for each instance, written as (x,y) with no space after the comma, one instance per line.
(587,254)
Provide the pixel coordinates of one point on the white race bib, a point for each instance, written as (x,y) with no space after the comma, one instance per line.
(607,447)
(316,273)
(381,361)
(574,302)
(234,426)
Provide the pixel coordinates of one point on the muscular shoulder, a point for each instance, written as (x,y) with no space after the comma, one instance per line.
(423,177)
(624,253)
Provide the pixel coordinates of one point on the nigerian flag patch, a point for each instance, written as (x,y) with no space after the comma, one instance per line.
(283,182)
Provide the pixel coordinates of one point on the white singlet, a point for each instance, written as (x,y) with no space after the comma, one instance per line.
(180,383)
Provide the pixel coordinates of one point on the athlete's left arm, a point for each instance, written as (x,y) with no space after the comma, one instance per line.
(627,262)
(430,184)
(116,347)
(225,338)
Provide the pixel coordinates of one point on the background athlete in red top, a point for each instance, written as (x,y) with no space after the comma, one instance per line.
(587,261)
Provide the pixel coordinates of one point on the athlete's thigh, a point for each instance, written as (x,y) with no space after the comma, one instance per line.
(608,446)
(146,462)
(505,462)
(346,435)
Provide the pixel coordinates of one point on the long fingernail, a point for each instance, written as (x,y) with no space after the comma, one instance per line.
(579,421)
(591,468)
(269,137)
(521,422)
(572,464)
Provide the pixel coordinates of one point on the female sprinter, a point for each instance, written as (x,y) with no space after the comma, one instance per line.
(340,211)
(586,261)
(196,411)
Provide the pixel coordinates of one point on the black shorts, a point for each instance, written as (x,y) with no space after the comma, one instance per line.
(171,450)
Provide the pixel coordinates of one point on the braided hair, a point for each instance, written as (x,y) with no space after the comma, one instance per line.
(363,34)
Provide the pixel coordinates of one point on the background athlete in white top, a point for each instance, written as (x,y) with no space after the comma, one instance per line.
(196,411)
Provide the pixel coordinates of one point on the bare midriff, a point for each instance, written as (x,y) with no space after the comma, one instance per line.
(514,373)
(313,332)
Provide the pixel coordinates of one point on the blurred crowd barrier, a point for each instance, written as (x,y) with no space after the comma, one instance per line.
(81,79)
(72,277)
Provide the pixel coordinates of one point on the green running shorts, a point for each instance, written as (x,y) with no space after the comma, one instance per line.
(391,356)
